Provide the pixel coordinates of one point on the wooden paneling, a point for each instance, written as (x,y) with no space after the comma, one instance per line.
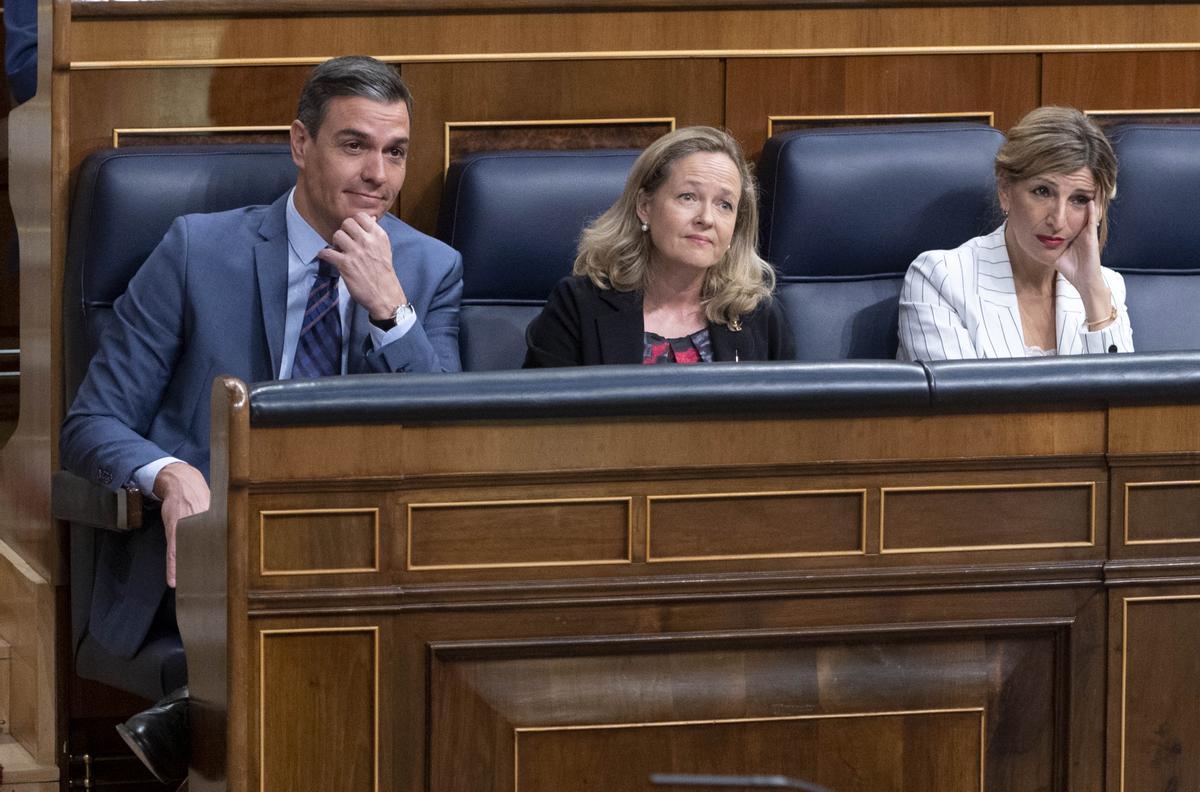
(1157,512)
(528,447)
(1139,430)
(1156,734)
(344,535)
(940,750)
(899,713)
(688,91)
(465,137)
(319,541)
(319,687)
(405,36)
(761,525)
(1005,85)
(519,533)
(158,99)
(117,8)
(1122,80)
(998,516)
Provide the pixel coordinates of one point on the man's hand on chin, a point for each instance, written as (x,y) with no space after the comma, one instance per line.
(183,492)
(362,253)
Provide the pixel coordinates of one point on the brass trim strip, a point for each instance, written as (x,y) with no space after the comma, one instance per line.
(490,57)
(117,132)
(262,670)
(984,115)
(1144,111)
(883,491)
(650,499)
(519,730)
(411,507)
(1147,485)
(541,122)
(262,542)
(1125,663)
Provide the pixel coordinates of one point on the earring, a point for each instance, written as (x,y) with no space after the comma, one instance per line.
(1005,213)
(645,226)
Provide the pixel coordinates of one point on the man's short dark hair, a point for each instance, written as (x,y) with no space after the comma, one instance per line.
(350,75)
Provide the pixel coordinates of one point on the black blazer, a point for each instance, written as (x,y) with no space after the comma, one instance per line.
(583,325)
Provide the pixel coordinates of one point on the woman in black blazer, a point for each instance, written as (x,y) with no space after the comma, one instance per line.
(670,273)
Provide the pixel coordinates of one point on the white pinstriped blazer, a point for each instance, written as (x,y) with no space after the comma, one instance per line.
(962,303)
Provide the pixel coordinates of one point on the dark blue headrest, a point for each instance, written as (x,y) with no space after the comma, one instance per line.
(516,216)
(1154,223)
(125,199)
(863,201)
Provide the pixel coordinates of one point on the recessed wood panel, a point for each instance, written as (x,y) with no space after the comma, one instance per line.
(319,699)
(1004,85)
(760,525)
(940,750)
(319,541)
(519,533)
(1162,512)
(901,713)
(689,91)
(981,517)
(1159,722)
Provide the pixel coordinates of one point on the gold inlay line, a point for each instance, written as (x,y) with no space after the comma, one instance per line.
(488,57)
(1125,661)
(1091,541)
(1149,485)
(541,122)
(862,548)
(413,507)
(758,719)
(262,671)
(1144,111)
(983,115)
(262,541)
(193,130)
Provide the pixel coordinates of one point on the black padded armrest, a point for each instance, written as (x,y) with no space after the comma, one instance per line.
(79,501)
(720,389)
(1083,380)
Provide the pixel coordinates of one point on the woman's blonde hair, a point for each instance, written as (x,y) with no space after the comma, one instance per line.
(614,252)
(1060,140)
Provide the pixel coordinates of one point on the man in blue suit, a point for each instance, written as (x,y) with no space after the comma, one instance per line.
(323,281)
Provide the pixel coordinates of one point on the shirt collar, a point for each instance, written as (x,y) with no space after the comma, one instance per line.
(305,242)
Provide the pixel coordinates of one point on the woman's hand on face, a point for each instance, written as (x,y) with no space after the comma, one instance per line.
(1080,261)
(1080,265)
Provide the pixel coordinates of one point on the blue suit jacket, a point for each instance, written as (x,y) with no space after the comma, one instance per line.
(211,300)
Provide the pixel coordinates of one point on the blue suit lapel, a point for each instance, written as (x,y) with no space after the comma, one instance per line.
(271,268)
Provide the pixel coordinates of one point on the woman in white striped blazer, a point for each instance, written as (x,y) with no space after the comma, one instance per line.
(1034,286)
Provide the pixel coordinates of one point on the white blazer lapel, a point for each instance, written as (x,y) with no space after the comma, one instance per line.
(999,333)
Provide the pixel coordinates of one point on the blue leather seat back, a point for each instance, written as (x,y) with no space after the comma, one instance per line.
(1154,233)
(846,210)
(126,199)
(516,217)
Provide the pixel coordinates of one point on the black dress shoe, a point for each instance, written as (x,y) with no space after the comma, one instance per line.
(159,737)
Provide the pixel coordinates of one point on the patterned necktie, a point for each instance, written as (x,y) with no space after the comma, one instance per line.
(319,353)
